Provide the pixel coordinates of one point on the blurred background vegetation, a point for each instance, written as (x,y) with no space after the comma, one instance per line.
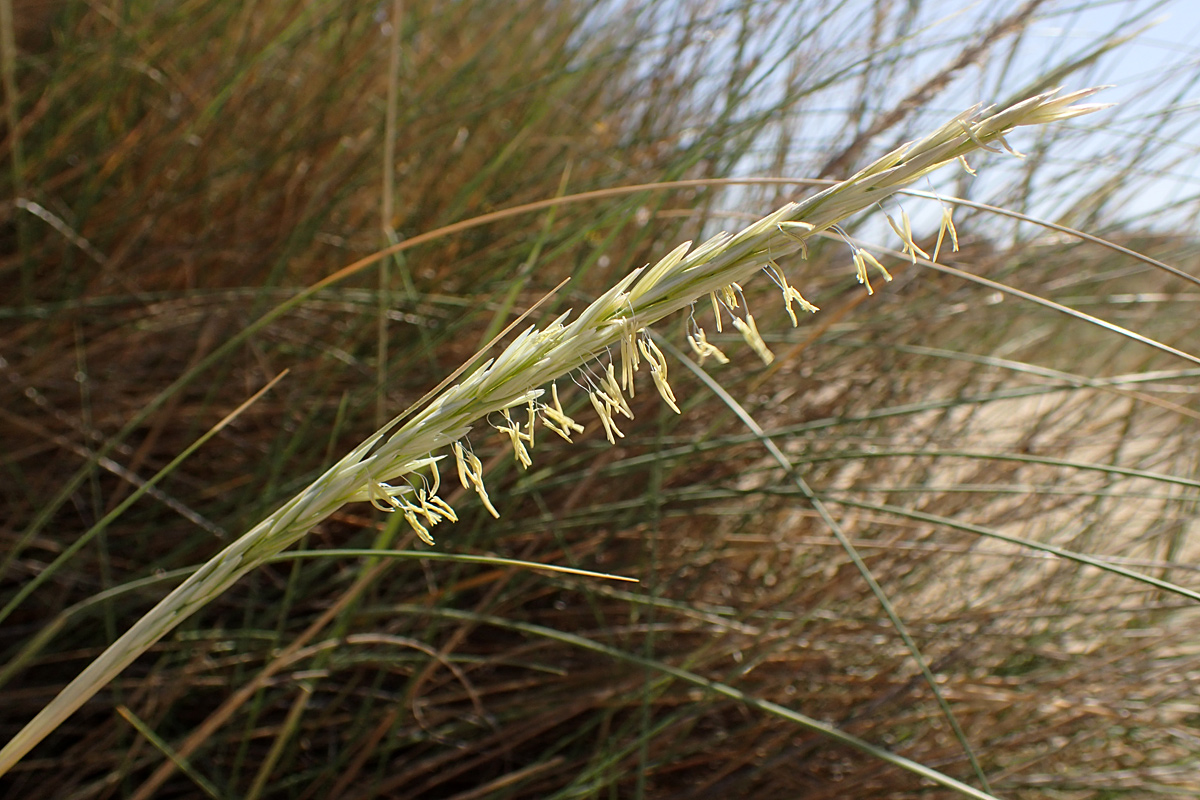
(172,171)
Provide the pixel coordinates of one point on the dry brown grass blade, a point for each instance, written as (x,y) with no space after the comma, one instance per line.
(285,658)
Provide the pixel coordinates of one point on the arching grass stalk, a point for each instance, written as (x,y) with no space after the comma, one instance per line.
(515,378)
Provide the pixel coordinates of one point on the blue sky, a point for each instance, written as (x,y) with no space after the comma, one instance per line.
(1155,81)
(1151,139)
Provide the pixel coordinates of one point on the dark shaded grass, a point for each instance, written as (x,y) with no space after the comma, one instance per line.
(215,158)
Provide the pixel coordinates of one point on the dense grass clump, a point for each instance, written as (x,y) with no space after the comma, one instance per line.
(952,520)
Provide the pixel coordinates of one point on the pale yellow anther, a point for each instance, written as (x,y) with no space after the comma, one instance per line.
(653,354)
(608,404)
(799,298)
(963,160)
(644,345)
(476,468)
(790,294)
(431,513)
(457,449)
(476,475)
(716,310)
(868,258)
(658,371)
(380,498)
(703,348)
(750,333)
(614,391)
(947,225)
(529,422)
(517,437)
(730,294)
(516,429)
(602,412)
(629,356)
(470,472)
(783,226)
(416,525)
(714,351)
(487,501)
(384,500)
(905,234)
(664,388)
(554,418)
(443,507)
(565,423)
(553,427)
(970,131)
(606,419)
(861,268)
(437,477)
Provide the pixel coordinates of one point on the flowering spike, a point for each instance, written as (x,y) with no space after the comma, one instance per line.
(470,473)
(612,403)
(1004,143)
(532,360)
